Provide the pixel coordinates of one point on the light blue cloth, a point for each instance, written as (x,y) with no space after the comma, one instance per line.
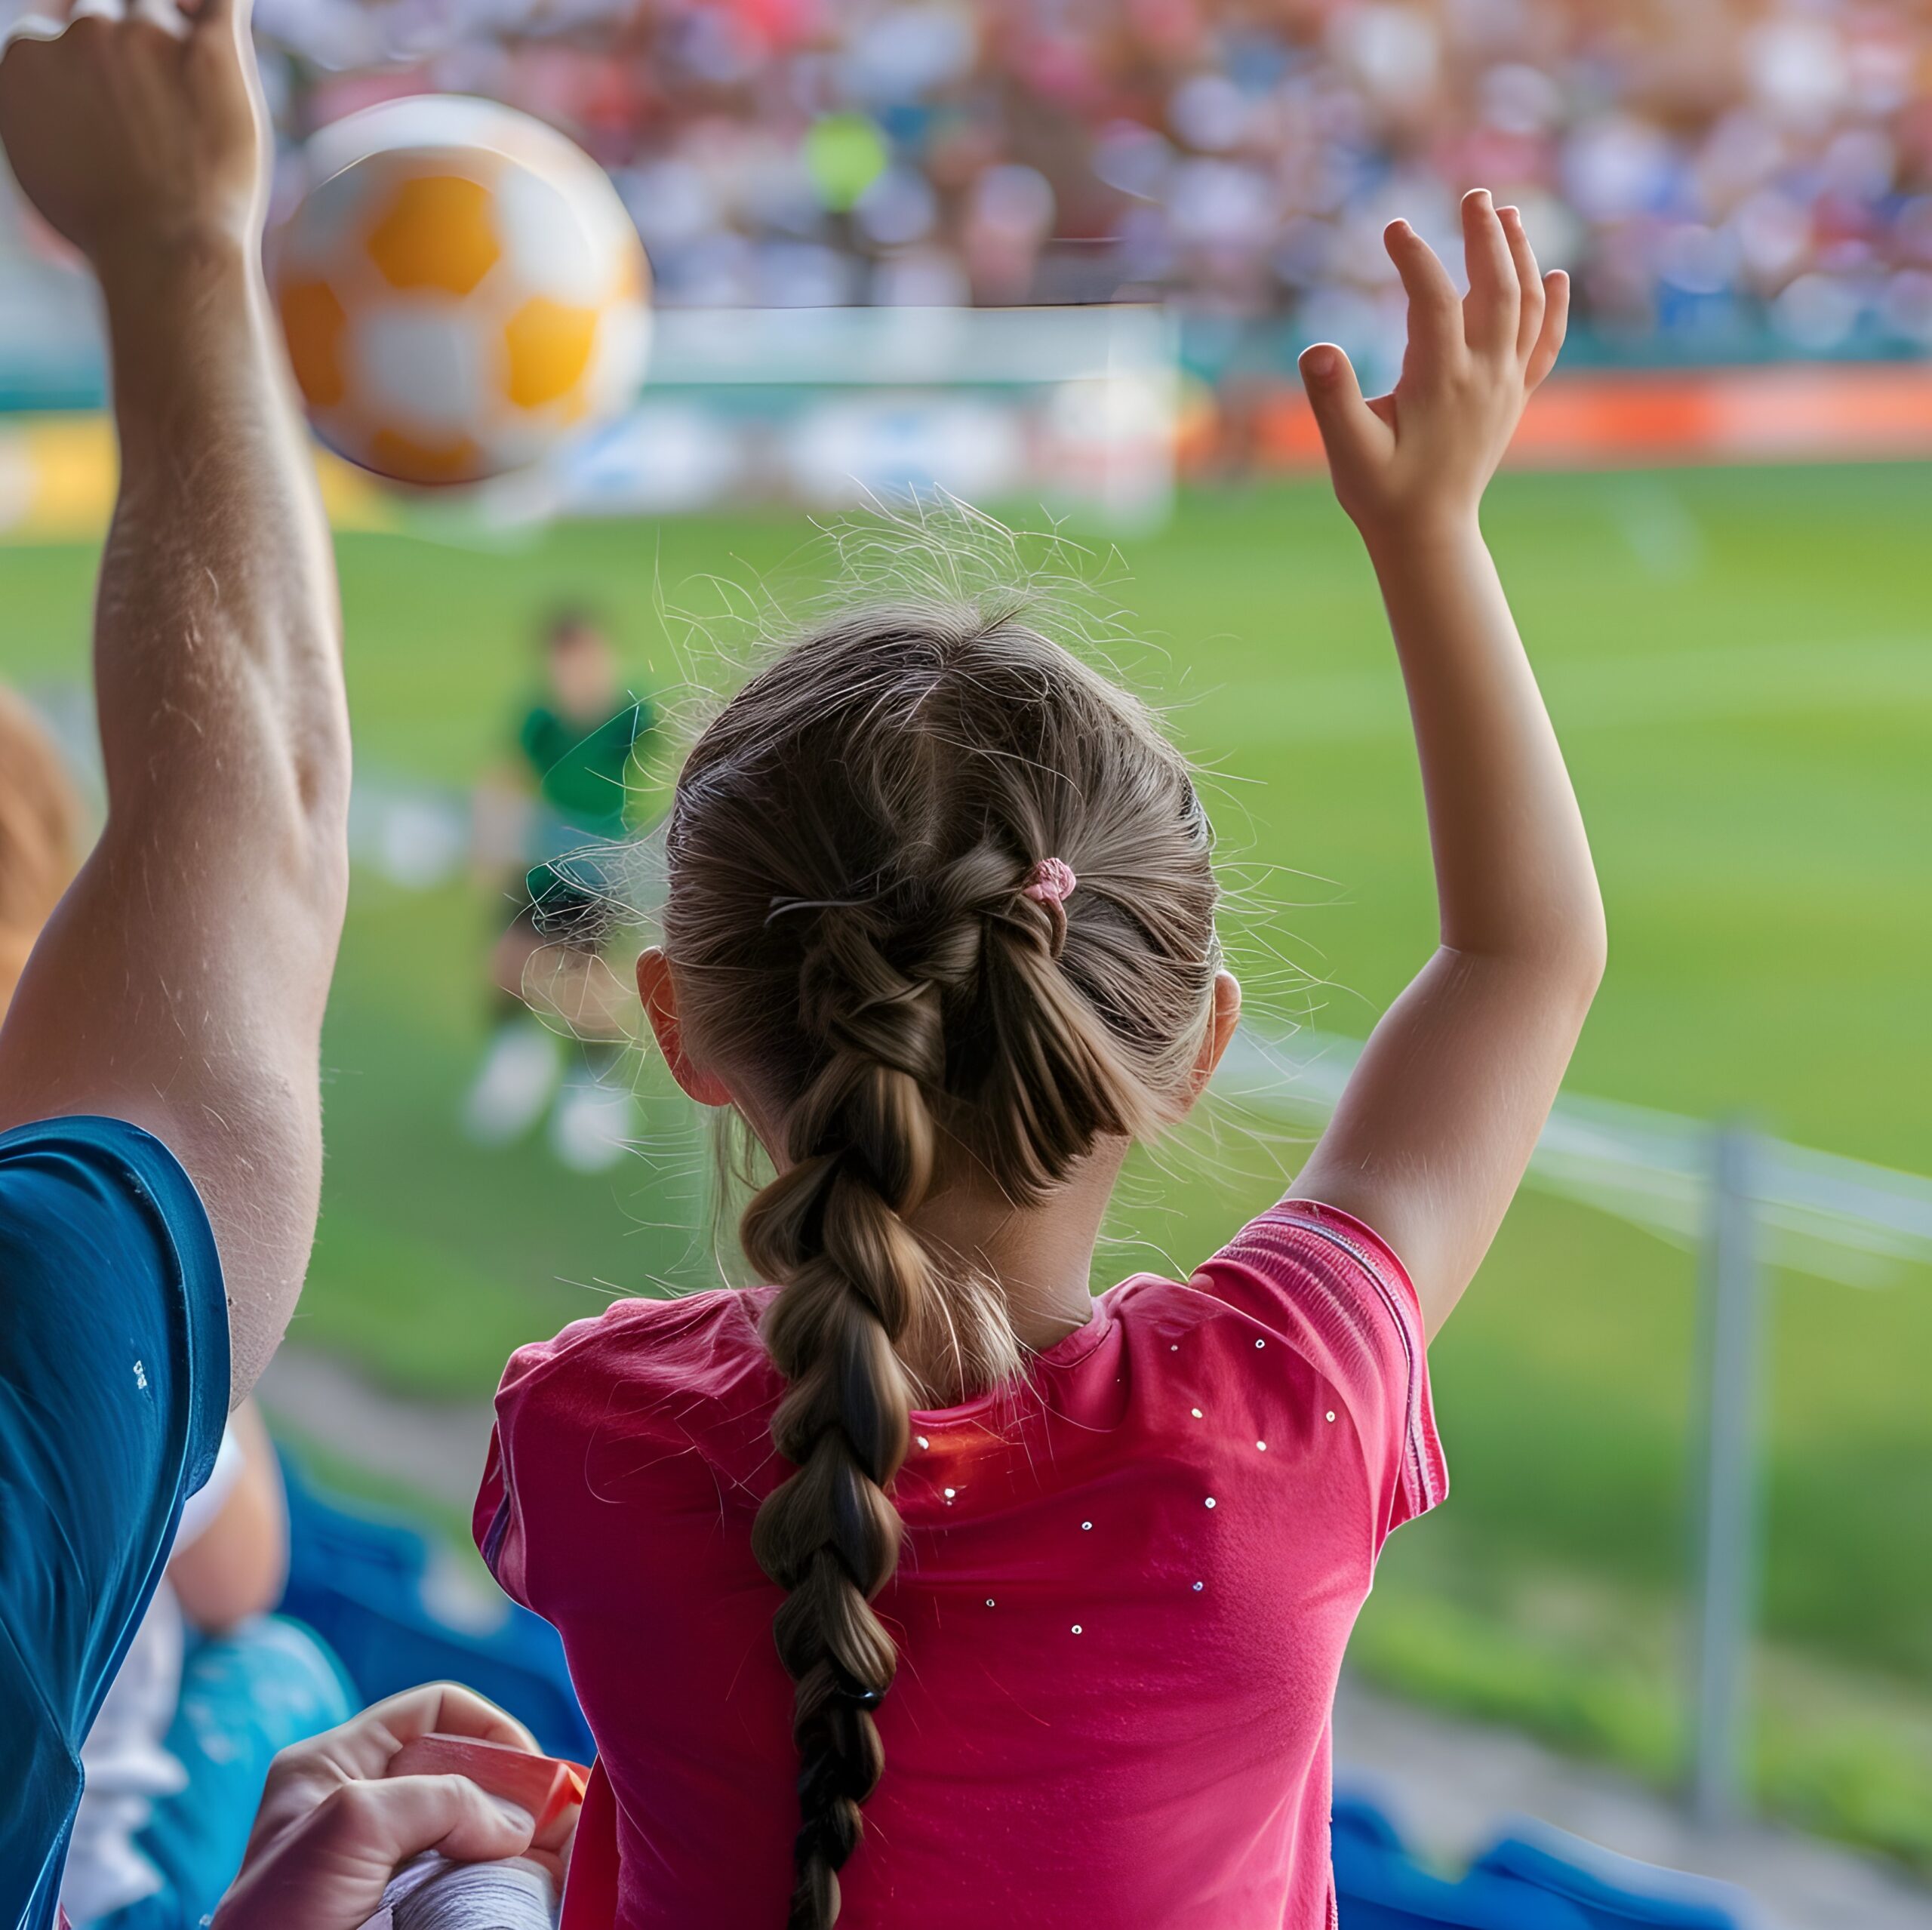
(244,1696)
(114,1383)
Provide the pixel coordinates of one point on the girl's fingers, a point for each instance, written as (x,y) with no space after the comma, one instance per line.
(1529,280)
(1435,320)
(1494,304)
(1556,324)
(1354,436)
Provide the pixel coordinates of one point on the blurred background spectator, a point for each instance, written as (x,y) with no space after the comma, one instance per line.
(1729,178)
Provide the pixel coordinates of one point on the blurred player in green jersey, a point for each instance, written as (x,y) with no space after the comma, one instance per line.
(561,815)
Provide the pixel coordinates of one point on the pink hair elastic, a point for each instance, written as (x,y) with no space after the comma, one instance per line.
(1050,882)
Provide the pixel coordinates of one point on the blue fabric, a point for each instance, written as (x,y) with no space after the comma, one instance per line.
(1379,1887)
(244,1696)
(359,1583)
(114,1380)
(1610,1892)
(1359,1821)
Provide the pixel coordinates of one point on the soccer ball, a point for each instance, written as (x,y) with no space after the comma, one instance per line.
(460,287)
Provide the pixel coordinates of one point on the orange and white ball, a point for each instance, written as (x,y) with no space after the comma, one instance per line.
(460,287)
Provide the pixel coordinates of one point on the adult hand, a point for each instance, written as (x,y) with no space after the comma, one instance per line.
(1419,457)
(334,1827)
(175,150)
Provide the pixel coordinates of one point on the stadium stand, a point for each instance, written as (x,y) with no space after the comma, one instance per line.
(1726,182)
(1746,182)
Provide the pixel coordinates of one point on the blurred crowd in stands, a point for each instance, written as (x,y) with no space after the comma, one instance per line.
(1723,176)
(1726,179)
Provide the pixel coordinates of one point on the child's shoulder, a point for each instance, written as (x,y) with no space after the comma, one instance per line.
(1311,1262)
(611,1408)
(699,1346)
(1313,1283)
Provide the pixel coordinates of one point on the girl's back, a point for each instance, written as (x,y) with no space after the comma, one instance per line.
(1125,1592)
(1056,1597)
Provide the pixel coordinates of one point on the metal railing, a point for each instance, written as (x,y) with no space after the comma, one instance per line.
(1743,1200)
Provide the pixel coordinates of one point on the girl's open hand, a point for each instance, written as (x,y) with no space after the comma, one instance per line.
(1421,456)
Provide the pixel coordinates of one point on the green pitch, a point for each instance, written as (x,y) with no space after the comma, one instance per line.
(1740,666)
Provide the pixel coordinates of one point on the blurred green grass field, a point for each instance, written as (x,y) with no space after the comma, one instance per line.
(1741,665)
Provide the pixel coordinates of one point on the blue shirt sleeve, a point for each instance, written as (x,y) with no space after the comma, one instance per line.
(114,1384)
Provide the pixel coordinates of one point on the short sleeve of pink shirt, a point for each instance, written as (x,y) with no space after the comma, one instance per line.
(1337,1295)
(1122,1608)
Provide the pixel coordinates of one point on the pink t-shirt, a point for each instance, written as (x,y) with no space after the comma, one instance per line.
(1121,1609)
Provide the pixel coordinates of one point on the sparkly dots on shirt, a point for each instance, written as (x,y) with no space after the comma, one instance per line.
(1197,1414)
(950,1492)
(1261,1344)
(1072,1432)
(1210,1500)
(1330,1415)
(1076,1628)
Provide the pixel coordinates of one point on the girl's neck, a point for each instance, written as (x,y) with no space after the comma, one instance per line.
(1040,1257)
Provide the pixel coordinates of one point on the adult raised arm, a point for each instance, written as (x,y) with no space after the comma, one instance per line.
(180,984)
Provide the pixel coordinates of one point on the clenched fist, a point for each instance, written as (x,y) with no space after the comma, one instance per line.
(137,131)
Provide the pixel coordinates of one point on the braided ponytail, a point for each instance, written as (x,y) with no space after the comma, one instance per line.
(849,853)
(831,1228)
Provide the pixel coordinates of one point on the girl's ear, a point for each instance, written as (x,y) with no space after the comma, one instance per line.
(1226,1015)
(659,992)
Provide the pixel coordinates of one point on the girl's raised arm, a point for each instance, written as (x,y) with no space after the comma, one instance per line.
(1437,1123)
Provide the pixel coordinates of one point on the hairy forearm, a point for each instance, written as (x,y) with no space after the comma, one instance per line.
(1514,875)
(211,911)
(218,633)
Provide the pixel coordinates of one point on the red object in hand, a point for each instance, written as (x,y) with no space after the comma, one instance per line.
(552,1790)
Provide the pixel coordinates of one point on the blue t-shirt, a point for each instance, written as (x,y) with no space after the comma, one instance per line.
(114,1381)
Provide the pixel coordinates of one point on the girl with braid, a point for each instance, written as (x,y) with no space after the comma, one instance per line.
(917,1586)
